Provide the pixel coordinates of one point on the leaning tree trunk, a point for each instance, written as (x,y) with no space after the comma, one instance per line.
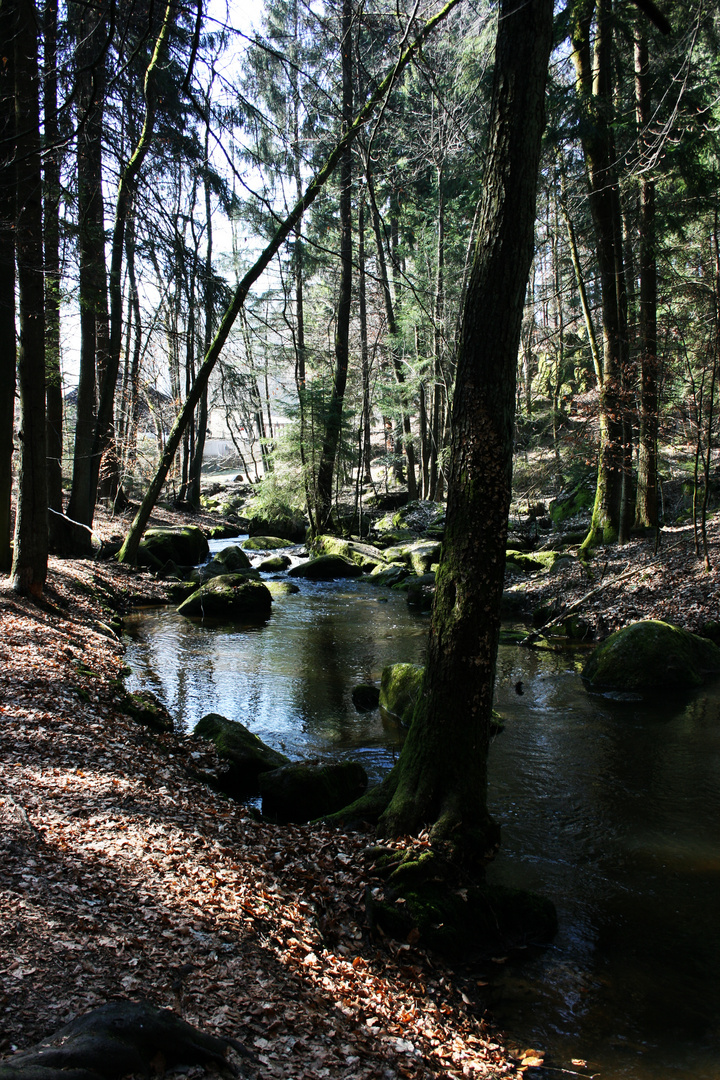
(441,777)
(29,567)
(7,288)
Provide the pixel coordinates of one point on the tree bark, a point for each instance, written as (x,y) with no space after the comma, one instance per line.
(594,80)
(333,421)
(8,355)
(29,567)
(646,502)
(441,776)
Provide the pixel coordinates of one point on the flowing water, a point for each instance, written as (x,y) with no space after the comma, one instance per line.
(611,809)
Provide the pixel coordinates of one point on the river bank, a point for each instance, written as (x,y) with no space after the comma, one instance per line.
(121,874)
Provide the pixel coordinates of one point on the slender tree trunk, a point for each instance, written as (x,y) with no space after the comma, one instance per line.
(333,423)
(646,502)
(92,276)
(438,402)
(29,567)
(595,88)
(441,777)
(202,415)
(7,285)
(365,447)
(51,224)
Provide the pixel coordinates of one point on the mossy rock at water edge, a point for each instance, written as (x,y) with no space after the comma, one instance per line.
(303,792)
(420,556)
(286,525)
(185,547)
(532,562)
(326,568)
(365,697)
(650,658)
(144,707)
(232,558)
(281,588)
(265,543)
(390,575)
(230,596)
(366,556)
(421,591)
(423,898)
(247,755)
(400,686)
(274,563)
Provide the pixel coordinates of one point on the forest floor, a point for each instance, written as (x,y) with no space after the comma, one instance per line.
(122,875)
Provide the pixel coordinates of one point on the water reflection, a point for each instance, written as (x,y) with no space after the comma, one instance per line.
(612,809)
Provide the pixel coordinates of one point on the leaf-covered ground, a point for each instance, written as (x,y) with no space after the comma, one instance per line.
(120,874)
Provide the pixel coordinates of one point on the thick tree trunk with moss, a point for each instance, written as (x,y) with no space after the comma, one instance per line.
(441,777)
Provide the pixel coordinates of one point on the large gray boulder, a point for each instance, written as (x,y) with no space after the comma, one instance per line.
(419,556)
(233,558)
(229,596)
(651,658)
(303,792)
(366,556)
(184,547)
(326,568)
(247,756)
(265,543)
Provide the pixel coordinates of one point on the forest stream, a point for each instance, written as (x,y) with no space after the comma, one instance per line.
(609,808)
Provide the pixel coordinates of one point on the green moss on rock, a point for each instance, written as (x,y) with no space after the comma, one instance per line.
(650,658)
(265,543)
(229,596)
(326,568)
(185,547)
(400,686)
(246,754)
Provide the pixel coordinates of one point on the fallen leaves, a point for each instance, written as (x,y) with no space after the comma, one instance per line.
(120,874)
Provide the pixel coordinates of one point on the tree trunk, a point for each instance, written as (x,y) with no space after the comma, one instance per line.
(29,567)
(364,465)
(646,502)
(441,777)
(333,422)
(51,223)
(7,286)
(92,275)
(595,89)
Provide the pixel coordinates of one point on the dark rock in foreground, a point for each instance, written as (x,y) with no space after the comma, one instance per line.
(247,755)
(650,658)
(366,697)
(303,792)
(326,568)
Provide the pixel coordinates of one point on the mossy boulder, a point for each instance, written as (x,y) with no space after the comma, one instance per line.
(232,558)
(286,524)
(187,546)
(420,592)
(650,658)
(326,568)
(418,518)
(274,564)
(281,588)
(303,792)
(148,710)
(265,543)
(400,686)
(247,756)
(531,562)
(229,596)
(365,697)
(366,556)
(225,531)
(420,556)
(390,574)
(425,899)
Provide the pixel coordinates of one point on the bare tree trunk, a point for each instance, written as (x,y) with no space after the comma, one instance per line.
(29,567)
(8,355)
